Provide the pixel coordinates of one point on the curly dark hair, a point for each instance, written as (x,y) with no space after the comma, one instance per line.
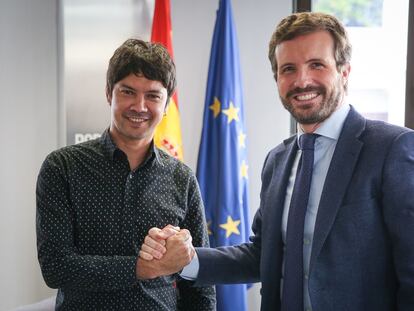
(304,23)
(136,56)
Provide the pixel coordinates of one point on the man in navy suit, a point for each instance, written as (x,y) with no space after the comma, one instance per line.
(358,240)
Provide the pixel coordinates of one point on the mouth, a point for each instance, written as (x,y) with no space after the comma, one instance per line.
(137,120)
(306,97)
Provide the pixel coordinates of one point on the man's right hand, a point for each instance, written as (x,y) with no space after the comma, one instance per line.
(155,242)
(164,252)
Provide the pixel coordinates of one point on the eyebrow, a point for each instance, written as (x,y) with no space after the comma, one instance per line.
(286,65)
(126,86)
(307,62)
(315,60)
(155,91)
(152,91)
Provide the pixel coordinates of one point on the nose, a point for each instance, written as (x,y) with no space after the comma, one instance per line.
(139,103)
(303,78)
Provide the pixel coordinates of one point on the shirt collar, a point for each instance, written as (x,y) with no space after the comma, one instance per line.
(155,152)
(108,145)
(332,126)
(111,150)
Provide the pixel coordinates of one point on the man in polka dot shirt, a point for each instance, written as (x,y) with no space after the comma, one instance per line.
(97,200)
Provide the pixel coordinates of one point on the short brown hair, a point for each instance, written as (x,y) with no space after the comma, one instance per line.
(135,56)
(307,22)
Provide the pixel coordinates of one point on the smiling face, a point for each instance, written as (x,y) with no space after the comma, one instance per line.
(310,86)
(137,107)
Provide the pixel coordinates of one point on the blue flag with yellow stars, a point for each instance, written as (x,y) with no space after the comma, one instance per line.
(222,168)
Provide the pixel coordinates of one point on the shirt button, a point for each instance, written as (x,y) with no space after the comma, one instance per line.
(306,241)
(308,309)
(306,276)
(131,176)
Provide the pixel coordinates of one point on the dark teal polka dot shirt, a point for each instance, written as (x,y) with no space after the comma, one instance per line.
(93,214)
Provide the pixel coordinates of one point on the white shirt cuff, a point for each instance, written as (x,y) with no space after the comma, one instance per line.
(190,271)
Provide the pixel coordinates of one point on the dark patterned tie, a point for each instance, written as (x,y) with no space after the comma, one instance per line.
(292,297)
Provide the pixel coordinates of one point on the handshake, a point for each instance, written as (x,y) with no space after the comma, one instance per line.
(164,252)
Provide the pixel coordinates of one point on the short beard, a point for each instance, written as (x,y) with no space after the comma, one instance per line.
(325,110)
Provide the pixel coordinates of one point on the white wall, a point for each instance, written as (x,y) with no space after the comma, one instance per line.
(28,131)
(30,118)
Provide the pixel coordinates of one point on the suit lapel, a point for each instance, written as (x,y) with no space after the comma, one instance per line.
(337,179)
(272,221)
(284,161)
(276,193)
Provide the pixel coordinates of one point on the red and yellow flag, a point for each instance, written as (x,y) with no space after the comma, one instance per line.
(168,133)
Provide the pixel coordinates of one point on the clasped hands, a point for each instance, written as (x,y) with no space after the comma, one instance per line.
(164,252)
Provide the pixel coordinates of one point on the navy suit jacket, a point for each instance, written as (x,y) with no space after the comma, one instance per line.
(363,248)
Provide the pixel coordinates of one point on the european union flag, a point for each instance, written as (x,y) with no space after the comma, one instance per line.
(222,161)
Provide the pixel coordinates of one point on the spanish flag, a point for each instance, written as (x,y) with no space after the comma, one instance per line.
(168,133)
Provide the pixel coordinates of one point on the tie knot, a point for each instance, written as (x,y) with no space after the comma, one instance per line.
(307,141)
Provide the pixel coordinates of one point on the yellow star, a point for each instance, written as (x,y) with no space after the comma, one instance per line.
(242,140)
(231,226)
(209,228)
(215,107)
(243,169)
(231,113)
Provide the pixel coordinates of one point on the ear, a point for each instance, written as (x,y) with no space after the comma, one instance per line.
(108,97)
(345,71)
(167,104)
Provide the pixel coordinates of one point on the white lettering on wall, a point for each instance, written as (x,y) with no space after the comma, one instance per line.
(82,137)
